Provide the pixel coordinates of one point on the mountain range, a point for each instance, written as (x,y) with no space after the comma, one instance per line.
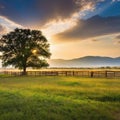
(87,61)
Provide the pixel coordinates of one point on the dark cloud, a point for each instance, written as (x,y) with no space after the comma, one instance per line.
(1,6)
(95,26)
(38,12)
(27,12)
(56,9)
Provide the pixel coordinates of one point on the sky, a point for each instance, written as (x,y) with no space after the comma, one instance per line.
(74,28)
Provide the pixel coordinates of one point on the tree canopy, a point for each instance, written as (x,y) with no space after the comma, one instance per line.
(24,48)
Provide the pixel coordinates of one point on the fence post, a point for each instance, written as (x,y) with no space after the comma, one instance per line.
(92,74)
(106,74)
(114,73)
(66,73)
(73,73)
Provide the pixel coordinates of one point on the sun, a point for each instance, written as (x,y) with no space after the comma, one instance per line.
(34,51)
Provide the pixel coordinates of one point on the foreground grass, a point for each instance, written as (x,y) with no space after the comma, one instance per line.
(59,98)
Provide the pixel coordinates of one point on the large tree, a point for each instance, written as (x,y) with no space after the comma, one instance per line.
(24,48)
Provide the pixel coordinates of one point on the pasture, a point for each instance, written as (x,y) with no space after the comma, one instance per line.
(59,98)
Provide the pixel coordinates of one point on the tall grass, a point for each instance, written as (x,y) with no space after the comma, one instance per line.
(59,98)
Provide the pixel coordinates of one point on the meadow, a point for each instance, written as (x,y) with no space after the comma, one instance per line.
(59,98)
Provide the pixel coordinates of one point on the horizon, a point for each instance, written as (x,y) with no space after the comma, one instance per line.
(81,62)
(85,28)
(86,56)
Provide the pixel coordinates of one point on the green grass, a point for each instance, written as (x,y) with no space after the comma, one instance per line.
(59,98)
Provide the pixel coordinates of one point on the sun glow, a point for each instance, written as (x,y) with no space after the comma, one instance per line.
(34,51)
(54,27)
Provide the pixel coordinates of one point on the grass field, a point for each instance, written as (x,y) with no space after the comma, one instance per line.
(59,98)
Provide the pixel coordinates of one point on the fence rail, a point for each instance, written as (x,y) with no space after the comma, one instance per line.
(92,74)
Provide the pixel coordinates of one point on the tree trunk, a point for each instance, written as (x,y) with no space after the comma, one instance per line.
(24,71)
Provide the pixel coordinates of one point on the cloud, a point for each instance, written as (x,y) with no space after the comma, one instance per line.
(117,42)
(117,37)
(2,29)
(59,23)
(93,27)
(115,0)
(7,25)
(51,16)
(94,40)
(32,12)
(38,12)
(1,6)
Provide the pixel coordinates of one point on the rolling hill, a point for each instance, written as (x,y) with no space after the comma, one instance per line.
(87,61)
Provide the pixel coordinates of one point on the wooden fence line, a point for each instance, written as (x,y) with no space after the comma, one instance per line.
(92,74)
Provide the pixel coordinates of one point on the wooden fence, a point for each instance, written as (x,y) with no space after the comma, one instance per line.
(92,74)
